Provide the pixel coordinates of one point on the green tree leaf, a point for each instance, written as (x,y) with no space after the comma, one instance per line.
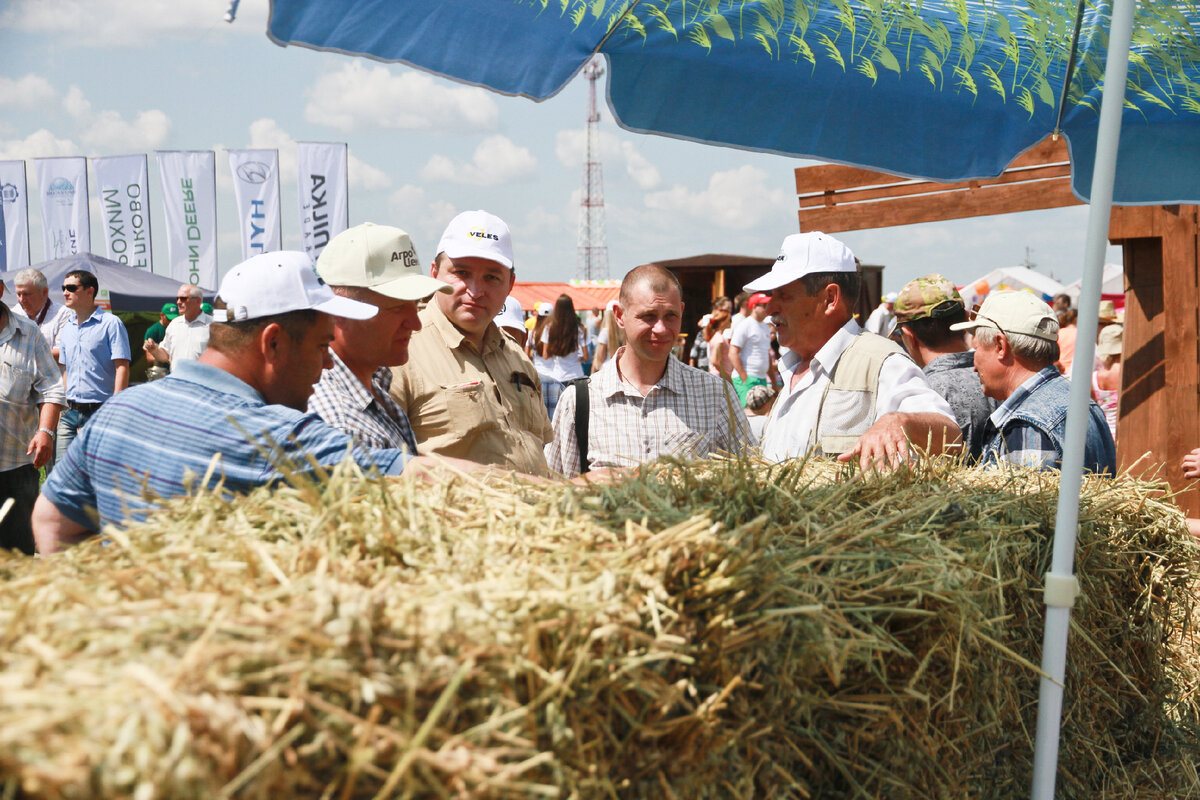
(720,26)
(887,59)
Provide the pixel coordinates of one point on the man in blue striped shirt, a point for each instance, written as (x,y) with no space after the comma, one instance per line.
(239,411)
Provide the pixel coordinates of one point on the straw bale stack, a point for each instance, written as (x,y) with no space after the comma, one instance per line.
(731,630)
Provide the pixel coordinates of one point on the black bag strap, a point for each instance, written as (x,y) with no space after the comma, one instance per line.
(582,414)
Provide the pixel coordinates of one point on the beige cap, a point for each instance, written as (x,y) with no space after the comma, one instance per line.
(1111,341)
(380,258)
(1014,312)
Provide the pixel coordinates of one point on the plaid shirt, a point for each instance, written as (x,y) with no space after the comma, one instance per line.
(28,378)
(1016,441)
(372,418)
(688,413)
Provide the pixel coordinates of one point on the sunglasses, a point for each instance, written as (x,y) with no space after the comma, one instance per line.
(183,299)
(71,287)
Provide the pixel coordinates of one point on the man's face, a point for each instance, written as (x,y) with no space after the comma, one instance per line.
(382,340)
(480,289)
(651,321)
(759,312)
(798,318)
(991,370)
(189,307)
(32,298)
(75,295)
(299,364)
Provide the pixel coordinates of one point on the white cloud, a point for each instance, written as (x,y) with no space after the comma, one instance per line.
(356,97)
(496,160)
(107,131)
(25,92)
(267,134)
(40,144)
(411,209)
(119,22)
(571,147)
(737,199)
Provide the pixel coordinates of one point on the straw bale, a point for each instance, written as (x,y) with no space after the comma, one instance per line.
(716,631)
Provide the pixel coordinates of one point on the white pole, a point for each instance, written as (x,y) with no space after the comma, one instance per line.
(1060,581)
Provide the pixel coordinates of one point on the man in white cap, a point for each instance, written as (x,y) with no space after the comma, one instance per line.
(238,411)
(845,392)
(511,320)
(374,264)
(883,318)
(1016,345)
(468,389)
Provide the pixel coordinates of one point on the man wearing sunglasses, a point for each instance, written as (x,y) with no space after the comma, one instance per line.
(94,348)
(187,334)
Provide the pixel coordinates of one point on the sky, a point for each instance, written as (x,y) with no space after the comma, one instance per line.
(108,77)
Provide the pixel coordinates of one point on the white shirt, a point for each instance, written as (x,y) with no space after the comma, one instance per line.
(902,388)
(185,341)
(753,340)
(561,368)
(881,320)
(51,324)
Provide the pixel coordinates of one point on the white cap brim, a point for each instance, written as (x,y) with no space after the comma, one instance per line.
(464,250)
(346,308)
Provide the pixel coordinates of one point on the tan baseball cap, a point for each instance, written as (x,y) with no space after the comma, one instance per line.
(1014,312)
(930,296)
(380,258)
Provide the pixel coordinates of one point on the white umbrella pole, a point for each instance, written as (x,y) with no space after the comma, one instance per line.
(1060,581)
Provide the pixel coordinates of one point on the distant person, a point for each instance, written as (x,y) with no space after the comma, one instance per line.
(1061,303)
(1067,331)
(468,390)
(35,303)
(644,403)
(186,335)
(94,349)
(925,309)
(511,320)
(883,317)
(846,392)
(563,348)
(609,339)
(750,348)
(698,357)
(377,265)
(1106,379)
(158,330)
(759,401)
(1016,345)
(31,399)
(244,400)
(740,312)
(716,335)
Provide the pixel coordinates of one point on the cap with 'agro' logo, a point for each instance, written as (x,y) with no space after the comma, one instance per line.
(478,234)
(377,257)
(930,296)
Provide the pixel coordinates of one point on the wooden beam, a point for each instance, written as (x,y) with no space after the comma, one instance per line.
(1001,199)
(831,198)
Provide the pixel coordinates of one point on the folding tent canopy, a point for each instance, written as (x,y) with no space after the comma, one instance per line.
(129,288)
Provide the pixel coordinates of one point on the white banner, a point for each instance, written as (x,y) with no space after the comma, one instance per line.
(321,177)
(66,222)
(256,190)
(124,191)
(189,187)
(14,199)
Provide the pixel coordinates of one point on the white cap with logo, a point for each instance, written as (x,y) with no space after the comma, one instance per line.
(803,254)
(512,315)
(1012,311)
(279,282)
(380,258)
(478,234)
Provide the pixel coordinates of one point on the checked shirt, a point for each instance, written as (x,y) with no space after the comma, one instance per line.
(373,418)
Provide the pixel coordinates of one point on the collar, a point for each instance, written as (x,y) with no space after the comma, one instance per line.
(432,315)
(214,378)
(827,357)
(1010,405)
(615,383)
(95,315)
(350,383)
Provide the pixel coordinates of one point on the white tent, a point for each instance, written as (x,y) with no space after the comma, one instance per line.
(1019,278)
(1113,283)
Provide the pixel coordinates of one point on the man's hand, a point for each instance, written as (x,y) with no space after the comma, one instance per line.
(1191,464)
(41,447)
(883,446)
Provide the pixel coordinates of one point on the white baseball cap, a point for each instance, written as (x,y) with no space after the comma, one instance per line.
(478,234)
(380,258)
(1012,311)
(279,282)
(512,315)
(544,309)
(803,254)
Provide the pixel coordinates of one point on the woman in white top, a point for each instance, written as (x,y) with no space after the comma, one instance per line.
(563,348)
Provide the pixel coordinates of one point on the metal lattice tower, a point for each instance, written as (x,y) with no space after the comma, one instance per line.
(593,249)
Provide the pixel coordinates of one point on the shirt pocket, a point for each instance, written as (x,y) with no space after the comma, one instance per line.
(462,412)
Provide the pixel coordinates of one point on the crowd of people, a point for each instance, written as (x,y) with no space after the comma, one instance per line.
(407,369)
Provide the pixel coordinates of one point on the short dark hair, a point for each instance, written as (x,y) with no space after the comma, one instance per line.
(935,331)
(739,300)
(85,279)
(660,279)
(230,337)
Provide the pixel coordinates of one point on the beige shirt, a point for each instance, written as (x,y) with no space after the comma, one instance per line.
(483,406)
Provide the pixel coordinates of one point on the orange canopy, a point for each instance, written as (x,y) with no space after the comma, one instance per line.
(585,295)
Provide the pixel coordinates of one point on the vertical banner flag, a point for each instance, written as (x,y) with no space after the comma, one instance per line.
(321,177)
(66,221)
(14,200)
(189,187)
(256,190)
(124,192)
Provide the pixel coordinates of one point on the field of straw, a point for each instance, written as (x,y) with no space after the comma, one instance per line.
(726,631)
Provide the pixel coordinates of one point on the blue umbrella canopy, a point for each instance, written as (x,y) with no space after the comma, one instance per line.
(943,89)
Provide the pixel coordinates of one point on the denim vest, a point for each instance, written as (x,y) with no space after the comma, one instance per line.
(1046,409)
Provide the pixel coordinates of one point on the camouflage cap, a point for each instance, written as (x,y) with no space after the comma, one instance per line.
(930,296)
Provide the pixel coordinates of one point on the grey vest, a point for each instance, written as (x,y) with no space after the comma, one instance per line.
(848,402)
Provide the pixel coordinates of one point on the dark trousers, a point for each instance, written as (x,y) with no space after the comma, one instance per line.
(21,484)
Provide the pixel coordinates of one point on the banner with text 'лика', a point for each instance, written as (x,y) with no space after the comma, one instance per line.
(323,183)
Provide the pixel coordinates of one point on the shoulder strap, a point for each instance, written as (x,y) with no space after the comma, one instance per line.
(582,414)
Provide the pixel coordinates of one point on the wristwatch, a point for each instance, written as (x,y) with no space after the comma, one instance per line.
(46,431)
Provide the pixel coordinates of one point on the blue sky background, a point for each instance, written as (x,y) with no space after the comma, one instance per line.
(101,77)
